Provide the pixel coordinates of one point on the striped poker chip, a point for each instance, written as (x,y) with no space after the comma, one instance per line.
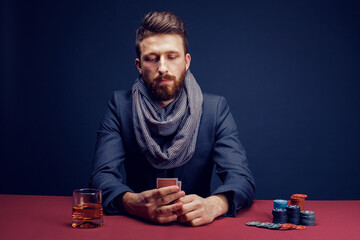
(299,200)
(300,227)
(286,226)
(299,196)
(308,213)
(265,225)
(274,226)
(293,213)
(279,216)
(280,204)
(262,225)
(252,224)
(307,218)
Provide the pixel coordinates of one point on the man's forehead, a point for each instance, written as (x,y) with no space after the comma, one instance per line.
(162,43)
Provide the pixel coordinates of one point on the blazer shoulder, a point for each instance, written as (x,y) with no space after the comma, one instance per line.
(213,101)
(212,97)
(122,94)
(121,98)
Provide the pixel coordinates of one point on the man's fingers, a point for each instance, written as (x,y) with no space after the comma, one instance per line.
(189,216)
(152,195)
(164,191)
(169,208)
(194,211)
(164,200)
(189,204)
(166,219)
(187,198)
(162,196)
(198,222)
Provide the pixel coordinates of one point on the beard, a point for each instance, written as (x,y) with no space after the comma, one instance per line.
(165,92)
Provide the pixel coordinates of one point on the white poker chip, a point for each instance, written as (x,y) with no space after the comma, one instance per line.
(253,224)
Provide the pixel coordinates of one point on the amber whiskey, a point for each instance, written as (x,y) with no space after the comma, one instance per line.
(87,215)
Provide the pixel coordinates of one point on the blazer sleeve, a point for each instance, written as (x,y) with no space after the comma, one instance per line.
(231,163)
(108,166)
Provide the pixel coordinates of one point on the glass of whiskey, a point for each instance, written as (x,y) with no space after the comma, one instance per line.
(87,211)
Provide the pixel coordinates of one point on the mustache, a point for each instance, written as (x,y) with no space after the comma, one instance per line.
(166,76)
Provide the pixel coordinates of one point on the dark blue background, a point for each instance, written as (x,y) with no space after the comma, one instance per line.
(289,69)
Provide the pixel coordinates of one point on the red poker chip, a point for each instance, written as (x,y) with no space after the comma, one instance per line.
(300,227)
(299,196)
(299,200)
(285,226)
(289,226)
(293,226)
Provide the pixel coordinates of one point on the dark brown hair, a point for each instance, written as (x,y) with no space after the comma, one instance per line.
(163,22)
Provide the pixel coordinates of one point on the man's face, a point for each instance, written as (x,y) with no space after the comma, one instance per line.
(163,65)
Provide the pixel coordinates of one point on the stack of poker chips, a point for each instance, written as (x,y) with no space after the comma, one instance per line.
(280,204)
(293,214)
(279,211)
(307,218)
(298,200)
(286,217)
(279,216)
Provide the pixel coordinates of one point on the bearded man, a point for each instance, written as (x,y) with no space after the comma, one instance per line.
(166,127)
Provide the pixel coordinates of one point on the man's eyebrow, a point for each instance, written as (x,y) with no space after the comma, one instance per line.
(172,52)
(157,53)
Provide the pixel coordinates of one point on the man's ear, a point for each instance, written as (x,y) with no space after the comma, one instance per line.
(138,64)
(187,60)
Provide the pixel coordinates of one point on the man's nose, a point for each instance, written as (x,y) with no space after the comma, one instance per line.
(162,66)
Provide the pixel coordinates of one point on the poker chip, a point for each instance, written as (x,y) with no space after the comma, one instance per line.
(279,216)
(300,227)
(298,200)
(276,226)
(252,224)
(267,225)
(288,217)
(307,218)
(299,196)
(289,226)
(286,226)
(293,214)
(280,204)
(264,225)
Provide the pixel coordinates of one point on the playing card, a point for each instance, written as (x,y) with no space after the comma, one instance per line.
(165,182)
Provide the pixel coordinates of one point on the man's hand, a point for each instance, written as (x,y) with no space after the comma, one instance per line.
(198,211)
(156,205)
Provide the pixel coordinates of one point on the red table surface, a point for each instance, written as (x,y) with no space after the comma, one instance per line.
(49,217)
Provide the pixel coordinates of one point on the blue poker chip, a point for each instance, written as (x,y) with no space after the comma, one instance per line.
(280,204)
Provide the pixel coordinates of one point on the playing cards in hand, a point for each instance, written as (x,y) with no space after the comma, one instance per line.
(166,182)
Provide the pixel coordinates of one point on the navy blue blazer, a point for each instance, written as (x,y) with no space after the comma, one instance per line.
(119,165)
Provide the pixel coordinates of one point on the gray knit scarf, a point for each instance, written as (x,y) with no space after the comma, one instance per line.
(183,123)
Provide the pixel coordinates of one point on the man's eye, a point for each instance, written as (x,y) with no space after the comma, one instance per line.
(172,56)
(151,59)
